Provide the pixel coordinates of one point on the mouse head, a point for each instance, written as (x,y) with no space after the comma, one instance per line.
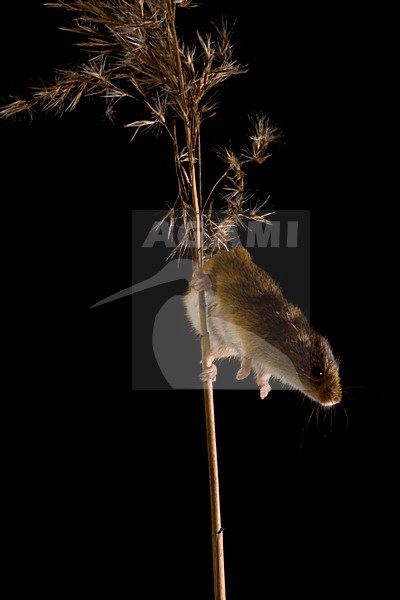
(319,371)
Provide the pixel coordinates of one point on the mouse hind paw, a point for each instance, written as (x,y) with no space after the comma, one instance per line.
(209,373)
(245,368)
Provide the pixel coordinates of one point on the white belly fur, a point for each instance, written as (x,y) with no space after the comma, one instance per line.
(229,340)
(224,338)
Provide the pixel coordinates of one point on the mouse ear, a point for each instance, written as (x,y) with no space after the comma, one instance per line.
(322,354)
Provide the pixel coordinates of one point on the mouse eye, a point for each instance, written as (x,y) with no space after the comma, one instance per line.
(317,373)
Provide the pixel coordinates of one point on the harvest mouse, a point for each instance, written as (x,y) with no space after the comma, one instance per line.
(249,318)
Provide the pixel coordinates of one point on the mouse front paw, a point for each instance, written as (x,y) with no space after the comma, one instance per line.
(263,382)
(200,282)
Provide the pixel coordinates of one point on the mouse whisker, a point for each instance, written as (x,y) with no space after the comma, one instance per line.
(354,387)
(310,418)
(318,414)
(346,415)
(351,395)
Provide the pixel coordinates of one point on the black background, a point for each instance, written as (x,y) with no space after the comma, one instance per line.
(111,484)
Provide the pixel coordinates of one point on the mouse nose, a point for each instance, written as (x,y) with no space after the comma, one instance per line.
(334,400)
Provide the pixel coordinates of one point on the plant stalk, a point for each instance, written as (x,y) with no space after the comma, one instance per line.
(217,531)
(192,135)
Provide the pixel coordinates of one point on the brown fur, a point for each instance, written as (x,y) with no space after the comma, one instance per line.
(249,298)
